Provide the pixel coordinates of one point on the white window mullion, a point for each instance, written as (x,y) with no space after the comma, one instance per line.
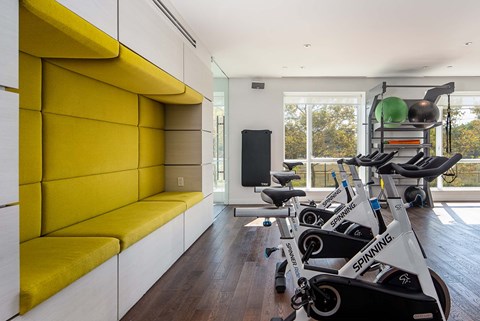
(309,147)
(439,145)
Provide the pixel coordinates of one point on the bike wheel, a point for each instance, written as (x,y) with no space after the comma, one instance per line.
(395,277)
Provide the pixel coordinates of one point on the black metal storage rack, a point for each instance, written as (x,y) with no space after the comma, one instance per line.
(377,133)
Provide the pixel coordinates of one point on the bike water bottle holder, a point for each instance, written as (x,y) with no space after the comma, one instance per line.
(267,222)
(375,204)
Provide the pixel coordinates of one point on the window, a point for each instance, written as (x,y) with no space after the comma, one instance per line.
(465,119)
(319,129)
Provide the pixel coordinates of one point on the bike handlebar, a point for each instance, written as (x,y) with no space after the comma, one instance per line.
(418,172)
(380,160)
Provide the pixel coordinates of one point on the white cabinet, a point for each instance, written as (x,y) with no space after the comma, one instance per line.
(207,115)
(101,13)
(9,43)
(207,147)
(146,30)
(190,117)
(9,262)
(8,147)
(197,75)
(207,179)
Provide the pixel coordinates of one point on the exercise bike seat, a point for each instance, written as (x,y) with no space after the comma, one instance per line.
(284,178)
(291,165)
(279,197)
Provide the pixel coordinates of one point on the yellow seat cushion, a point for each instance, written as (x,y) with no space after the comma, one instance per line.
(48,29)
(49,264)
(189,198)
(129,224)
(128,71)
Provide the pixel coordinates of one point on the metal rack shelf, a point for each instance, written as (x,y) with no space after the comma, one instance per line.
(402,146)
(406,126)
(378,134)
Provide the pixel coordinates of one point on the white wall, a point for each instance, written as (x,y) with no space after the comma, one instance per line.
(263,109)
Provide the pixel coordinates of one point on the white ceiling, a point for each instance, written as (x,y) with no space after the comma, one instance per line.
(349,38)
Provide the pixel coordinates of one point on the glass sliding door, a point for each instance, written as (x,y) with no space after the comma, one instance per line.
(220,110)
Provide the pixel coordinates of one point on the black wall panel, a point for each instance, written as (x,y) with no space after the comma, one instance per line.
(256,158)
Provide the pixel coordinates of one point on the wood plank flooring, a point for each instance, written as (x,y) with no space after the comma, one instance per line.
(225,277)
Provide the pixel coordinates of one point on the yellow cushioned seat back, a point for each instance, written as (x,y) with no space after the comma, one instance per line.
(90,148)
(30,211)
(76,147)
(71,94)
(151,181)
(69,201)
(152,147)
(30,146)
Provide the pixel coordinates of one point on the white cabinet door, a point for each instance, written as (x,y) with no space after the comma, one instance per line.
(207,147)
(100,13)
(207,179)
(146,30)
(198,75)
(9,262)
(9,43)
(8,147)
(207,115)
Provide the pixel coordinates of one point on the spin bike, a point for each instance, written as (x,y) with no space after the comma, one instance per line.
(343,234)
(312,211)
(407,290)
(313,241)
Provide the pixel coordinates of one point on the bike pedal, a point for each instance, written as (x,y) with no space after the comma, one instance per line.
(269,251)
(280,284)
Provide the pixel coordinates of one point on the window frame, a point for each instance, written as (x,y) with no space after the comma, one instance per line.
(439,147)
(309,160)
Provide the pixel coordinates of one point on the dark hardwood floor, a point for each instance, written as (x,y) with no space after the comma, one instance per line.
(225,277)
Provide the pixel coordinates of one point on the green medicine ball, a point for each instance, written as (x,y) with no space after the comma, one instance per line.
(395,110)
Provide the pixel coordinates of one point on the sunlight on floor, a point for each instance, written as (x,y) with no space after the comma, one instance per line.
(468,213)
(258,222)
(443,216)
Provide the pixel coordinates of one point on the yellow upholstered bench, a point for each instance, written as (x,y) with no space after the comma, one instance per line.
(128,224)
(189,198)
(85,147)
(49,264)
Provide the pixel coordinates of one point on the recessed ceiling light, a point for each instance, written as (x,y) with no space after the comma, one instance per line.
(468,43)
(307,45)
(449,66)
